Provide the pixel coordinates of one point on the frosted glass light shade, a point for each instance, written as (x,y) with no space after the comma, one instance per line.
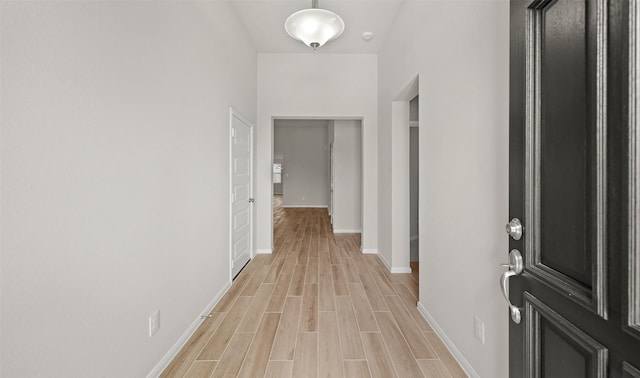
(314,26)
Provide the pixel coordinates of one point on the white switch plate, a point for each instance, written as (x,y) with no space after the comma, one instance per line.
(478,329)
(154,323)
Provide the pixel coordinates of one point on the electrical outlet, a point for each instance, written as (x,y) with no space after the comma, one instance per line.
(478,329)
(154,323)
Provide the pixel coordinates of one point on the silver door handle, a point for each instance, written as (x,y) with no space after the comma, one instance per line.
(504,285)
(515,267)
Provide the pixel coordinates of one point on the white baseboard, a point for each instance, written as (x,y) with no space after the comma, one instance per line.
(305,207)
(394,269)
(371,251)
(264,251)
(384,261)
(344,231)
(171,354)
(413,238)
(464,364)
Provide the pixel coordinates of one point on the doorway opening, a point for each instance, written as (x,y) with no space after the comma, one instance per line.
(404,206)
(320,167)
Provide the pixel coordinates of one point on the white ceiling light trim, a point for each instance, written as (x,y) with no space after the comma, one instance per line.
(314,26)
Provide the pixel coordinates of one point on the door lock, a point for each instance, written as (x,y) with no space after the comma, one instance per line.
(514,229)
(515,267)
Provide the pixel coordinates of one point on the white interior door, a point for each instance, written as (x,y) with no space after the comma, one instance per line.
(241,192)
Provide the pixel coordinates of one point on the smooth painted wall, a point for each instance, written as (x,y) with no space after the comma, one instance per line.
(414,178)
(321,86)
(347,191)
(303,145)
(414,147)
(115,190)
(463,87)
(330,129)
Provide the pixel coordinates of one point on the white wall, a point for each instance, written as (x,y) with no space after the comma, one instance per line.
(463,86)
(414,147)
(303,145)
(115,164)
(414,178)
(330,129)
(347,191)
(324,86)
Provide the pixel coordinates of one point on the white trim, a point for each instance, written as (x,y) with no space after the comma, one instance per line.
(394,269)
(233,113)
(455,352)
(306,206)
(413,238)
(263,251)
(384,261)
(346,231)
(173,352)
(231,194)
(369,251)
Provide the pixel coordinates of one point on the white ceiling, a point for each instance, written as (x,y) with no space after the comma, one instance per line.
(264,21)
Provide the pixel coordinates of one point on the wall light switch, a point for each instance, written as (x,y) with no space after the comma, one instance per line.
(478,329)
(154,323)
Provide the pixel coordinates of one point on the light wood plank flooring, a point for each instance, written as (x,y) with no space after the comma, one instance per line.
(315,307)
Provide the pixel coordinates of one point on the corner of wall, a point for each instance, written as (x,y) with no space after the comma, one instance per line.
(464,364)
(175,349)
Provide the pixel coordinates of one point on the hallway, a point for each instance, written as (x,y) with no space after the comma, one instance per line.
(315,307)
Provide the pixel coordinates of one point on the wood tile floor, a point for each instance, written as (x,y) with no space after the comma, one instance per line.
(315,307)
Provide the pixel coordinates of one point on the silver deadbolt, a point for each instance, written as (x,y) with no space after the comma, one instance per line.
(514,229)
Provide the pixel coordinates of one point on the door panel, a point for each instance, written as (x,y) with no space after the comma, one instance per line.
(630,371)
(241,189)
(561,32)
(574,180)
(557,348)
(565,138)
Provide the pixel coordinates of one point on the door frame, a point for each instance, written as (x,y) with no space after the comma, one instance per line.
(233,113)
(362,157)
(400,242)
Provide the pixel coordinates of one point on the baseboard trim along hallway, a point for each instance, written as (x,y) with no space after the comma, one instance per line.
(394,269)
(464,364)
(182,341)
(317,306)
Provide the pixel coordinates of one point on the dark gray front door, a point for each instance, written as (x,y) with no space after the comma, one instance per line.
(574,185)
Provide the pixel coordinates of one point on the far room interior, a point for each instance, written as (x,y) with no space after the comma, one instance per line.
(318,164)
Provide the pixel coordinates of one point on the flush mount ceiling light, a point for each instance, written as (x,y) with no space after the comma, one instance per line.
(314,26)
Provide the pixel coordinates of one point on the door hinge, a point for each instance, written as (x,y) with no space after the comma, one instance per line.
(233,197)
(233,132)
